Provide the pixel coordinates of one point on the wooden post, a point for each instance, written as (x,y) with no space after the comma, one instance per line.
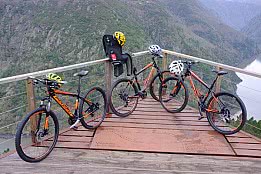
(30,95)
(31,104)
(164,68)
(164,62)
(108,82)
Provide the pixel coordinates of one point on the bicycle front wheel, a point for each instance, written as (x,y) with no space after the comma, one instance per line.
(226,113)
(123,97)
(93,108)
(156,82)
(37,135)
(173,95)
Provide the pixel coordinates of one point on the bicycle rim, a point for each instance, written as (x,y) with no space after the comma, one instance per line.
(226,113)
(123,98)
(173,95)
(37,135)
(93,108)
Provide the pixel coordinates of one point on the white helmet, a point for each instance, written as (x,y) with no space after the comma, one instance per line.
(155,49)
(176,67)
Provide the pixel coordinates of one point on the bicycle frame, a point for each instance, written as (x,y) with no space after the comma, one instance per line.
(202,98)
(64,106)
(153,65)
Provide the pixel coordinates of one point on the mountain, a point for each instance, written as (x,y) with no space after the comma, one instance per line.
(253,29)
(235,13)
(41,34)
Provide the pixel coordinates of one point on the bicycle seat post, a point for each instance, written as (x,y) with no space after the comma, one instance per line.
(79,87)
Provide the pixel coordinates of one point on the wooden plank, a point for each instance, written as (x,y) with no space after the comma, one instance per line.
(154,113)
(246,146)
(145,121)
(74,139)
(73,145)
(156,126)
(248,152)
(160,110)
(239,135)
(161,140)
(242,140)
(162,117)
(118,162)
(80,133)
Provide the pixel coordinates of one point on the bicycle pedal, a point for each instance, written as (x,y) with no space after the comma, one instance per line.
(200,118)
(74,127)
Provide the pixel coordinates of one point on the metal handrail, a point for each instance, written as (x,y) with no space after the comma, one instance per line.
(59,69)
(227,67)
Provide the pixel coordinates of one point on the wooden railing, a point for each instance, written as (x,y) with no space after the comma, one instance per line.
(108,72)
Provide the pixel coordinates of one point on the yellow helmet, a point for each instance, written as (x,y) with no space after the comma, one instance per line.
(53,76)
(120,37)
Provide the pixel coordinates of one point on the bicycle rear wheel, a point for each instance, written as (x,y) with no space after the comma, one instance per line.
(155,84)
(123,97)
(226,113)
(37,135)
(173,95)
(93,108)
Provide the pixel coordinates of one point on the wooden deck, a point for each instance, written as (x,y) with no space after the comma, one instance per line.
(63,161)
(150,131)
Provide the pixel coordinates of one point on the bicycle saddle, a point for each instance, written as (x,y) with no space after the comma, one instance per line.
(219,73)
(81,73)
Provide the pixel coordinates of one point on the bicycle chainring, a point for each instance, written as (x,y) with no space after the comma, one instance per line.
(71,120)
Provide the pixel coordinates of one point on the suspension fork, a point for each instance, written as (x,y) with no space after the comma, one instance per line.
(48,109)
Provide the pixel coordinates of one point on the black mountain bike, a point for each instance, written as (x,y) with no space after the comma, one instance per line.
(225,112)
(38,132)
(125,92)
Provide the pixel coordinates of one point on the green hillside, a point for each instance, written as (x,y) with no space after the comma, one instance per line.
(253,29)
(36,35)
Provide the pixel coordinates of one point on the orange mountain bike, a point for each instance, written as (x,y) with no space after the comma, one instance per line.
(126,92)
(38,132)
(225,112)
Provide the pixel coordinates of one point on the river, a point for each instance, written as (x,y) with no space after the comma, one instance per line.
(249,90)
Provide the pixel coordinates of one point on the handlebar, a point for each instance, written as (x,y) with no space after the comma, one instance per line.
(157,55)
(189,62)
(47,82)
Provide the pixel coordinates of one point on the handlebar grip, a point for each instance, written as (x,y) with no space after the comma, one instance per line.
(190,62)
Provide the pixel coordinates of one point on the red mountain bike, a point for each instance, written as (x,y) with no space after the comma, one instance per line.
(225,112)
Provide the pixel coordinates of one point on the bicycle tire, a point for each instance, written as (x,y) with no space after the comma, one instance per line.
(154,88)
(25,151)
(118,108)
(229,100)
(96,112)
(173,102)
